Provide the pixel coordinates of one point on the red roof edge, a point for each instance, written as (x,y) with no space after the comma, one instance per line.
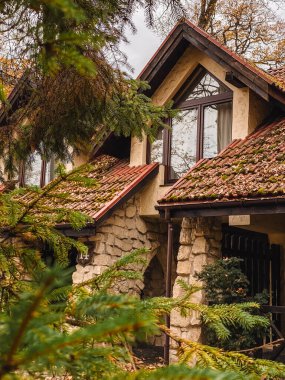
(149,169)
(267,77)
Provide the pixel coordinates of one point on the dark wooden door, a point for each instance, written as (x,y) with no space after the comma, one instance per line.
(261,261)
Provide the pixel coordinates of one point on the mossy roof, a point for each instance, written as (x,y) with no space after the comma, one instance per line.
(279,75)
(112,181)
(249,168)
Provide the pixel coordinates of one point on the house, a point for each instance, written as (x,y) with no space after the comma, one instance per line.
(213,185)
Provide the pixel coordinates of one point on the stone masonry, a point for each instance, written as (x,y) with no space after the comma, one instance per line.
(200,244)
(120,234)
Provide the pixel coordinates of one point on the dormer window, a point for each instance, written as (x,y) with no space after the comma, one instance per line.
(201,130)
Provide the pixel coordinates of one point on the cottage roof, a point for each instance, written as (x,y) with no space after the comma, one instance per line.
(250,168)
(113,182)
(240,71)
(278,74)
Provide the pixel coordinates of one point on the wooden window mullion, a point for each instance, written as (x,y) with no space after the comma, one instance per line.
(214,99)
(22,174)
(167,152)
(43,173)
(202,132)
(199,146)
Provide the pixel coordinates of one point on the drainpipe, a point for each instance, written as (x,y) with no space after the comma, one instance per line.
(168,281)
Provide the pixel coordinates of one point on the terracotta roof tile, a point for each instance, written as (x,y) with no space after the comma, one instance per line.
(247,169)
(279,74)
(113,180)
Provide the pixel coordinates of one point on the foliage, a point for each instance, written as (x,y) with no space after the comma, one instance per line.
(253,28)
(88,334)
(225,283)
(72,94)
(52,328)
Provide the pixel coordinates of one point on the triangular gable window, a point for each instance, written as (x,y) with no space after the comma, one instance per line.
(203,127)
(207,86)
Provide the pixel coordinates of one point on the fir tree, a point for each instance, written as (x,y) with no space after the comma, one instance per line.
(50,328)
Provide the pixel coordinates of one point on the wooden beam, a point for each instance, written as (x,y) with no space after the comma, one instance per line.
(181,211)
(168,292)
(251,80)
(230,77)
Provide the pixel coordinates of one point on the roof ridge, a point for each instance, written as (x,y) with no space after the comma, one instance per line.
(255,72)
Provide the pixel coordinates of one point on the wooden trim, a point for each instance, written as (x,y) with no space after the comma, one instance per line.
(22,174)
(168,290)
(199,134)
(250,79)
(125,195)
(273,309)
(186,34)
(148,152)
(209,100)
(43,173)
(230,77)
(191,82)
(226,208)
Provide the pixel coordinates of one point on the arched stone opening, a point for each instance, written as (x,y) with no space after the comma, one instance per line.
(154,286)
(154,280)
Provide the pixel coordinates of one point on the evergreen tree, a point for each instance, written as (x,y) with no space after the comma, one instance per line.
(50,328)
(74,92)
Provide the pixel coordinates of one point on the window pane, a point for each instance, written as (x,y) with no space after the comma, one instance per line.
(208,86)
(33,170)
(217,128)
(156,153)
(183,143)
(50,168)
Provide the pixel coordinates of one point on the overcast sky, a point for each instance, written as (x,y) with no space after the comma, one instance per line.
(142,45)
(145,42)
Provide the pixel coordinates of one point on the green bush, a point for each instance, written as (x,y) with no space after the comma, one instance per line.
(225,284)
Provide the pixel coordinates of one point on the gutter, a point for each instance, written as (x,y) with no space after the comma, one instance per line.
(258,206)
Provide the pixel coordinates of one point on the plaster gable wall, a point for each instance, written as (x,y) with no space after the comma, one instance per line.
(259,110)
(151,193)
(249,110)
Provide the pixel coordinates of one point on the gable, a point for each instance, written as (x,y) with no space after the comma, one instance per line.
(239,71)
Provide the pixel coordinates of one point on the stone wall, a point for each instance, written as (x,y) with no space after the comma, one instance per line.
(200,244)
(120,234)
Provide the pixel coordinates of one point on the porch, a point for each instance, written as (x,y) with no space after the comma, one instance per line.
(259,240)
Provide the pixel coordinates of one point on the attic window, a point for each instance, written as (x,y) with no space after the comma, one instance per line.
(207,86)
(201,130)
(37,172)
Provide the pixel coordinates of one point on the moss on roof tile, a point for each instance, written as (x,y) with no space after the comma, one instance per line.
(246,169)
